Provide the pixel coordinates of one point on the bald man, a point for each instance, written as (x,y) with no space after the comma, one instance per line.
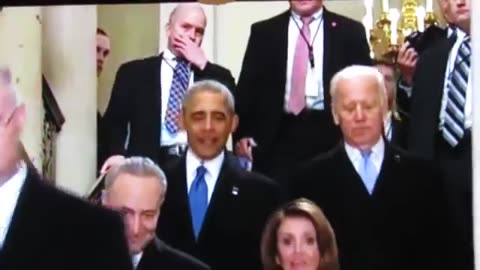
(147,93)
(42,227)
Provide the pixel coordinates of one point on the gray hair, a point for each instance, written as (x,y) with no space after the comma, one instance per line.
(355,72)
(137,166)
(212,87)
(7,82)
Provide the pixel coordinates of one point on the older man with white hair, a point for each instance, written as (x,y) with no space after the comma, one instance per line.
(136,188)
(387,208)
(42,227)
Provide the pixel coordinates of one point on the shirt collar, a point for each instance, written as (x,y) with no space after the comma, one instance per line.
(317,15)
(171,58)
(136,259)
(213,166)
(168,55)
(9,193)
(377,150)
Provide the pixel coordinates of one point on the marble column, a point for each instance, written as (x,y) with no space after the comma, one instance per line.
(69,65)
(20,49)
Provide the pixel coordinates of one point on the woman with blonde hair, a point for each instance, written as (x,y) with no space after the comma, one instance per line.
(299,236)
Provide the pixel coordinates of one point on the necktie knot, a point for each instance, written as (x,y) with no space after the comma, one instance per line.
(201,170)
(181,63)
(366,153)
(306,20)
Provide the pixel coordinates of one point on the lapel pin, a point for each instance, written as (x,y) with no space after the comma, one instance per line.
(397,158)
(235,191)
(334,24)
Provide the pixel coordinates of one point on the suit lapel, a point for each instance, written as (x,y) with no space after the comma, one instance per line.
(390,158)
(438,69)
(350,174)
(220,196)
(17,236)
(179,195)
(157,94)
(328,45)
(279,55)
(152,257)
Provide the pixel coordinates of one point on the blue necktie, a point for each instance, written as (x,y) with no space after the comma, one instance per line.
(198,197)
(177,91)
(368,172)
(453,127)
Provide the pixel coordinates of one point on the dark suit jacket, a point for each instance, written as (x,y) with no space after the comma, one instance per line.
(260,93)
(424,139)
(100,143)
(399,131)
(402,225)
(158,255)
(238,209)
(427,94)
(53,230)
(136,99)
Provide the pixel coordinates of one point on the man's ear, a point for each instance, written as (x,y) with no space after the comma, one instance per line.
(20,116)
(180,120)
(234,123)
(335,115)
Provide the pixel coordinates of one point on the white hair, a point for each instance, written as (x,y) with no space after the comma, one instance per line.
(137,166)
(357,72)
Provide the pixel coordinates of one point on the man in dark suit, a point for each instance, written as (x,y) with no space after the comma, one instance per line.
(137,188)
(408,56)
(103,50)
(282,98)
(386,208)
(441,121)
(214,209)
(396,122)
(42,227)
(147,93)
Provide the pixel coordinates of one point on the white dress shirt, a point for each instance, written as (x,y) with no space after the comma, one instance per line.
(355,156)
(448,73)
(213,167)
(167,67)
(388,126)
(136,259)
(314,82)
(9,193)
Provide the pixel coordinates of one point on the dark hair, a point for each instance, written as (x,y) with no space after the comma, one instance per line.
(100,31)
(327,246)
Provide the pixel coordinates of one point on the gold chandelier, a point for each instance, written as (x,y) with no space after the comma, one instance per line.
(390,30)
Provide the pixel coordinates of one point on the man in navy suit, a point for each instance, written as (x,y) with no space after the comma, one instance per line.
(214,209)
(388,209)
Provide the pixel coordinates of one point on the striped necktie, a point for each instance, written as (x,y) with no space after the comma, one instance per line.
(177,91)
(453,128)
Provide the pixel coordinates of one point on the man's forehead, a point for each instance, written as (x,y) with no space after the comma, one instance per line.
(103,40)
